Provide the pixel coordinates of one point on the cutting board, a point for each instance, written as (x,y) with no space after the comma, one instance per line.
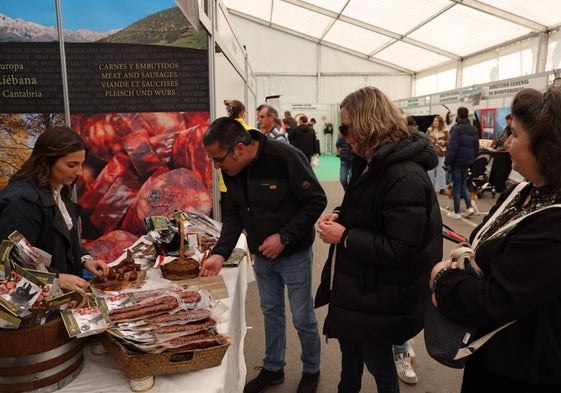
(214,284)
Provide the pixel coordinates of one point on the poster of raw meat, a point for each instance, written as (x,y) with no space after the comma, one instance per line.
(138,93)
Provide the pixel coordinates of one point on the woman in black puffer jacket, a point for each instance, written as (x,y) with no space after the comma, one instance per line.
(388,233)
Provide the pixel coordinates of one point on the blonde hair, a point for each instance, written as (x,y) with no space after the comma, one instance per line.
(375,120)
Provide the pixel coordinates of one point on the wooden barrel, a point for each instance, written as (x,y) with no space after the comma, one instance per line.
(39,359)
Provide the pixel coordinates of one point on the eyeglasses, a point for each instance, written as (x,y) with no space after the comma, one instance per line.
(344,129)
(219,160)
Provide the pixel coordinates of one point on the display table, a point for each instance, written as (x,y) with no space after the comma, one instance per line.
(101,374)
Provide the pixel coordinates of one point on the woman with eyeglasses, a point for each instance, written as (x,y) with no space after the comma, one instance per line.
(385,237)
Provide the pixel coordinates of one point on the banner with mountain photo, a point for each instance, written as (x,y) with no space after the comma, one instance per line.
(133,78)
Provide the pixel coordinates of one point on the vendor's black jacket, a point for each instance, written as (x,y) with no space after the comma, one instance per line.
(34,213)
(522,271)
(394,226)
(277,193)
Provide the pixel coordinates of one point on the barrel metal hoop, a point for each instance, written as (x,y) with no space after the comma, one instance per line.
(37,376)
(39,357)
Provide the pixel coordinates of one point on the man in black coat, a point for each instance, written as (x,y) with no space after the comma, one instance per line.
(304,138)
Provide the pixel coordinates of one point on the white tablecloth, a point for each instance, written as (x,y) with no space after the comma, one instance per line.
(101,374)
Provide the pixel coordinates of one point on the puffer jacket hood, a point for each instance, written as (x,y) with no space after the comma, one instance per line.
(417,148)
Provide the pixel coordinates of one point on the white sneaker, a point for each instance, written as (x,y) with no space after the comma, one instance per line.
(410,349)
(404,369)
(453,215)
(469,212)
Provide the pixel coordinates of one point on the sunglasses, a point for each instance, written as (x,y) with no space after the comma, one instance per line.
(344,130)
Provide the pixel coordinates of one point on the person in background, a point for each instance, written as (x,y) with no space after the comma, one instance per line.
(303,137)
(440,136)
(412,124)
(291,120)
(257,110)
(235,110)
(518,248)
(388,233)
(499,145)
(36,202)
(345,154)
(461,151)
(275,197)
(286,126)
(312,123)
(268,119)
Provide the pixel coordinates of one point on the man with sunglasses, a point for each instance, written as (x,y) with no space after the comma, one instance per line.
(274,195)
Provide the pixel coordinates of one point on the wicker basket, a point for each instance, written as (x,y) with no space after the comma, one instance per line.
(139,366)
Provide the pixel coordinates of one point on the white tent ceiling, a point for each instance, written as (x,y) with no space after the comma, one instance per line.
(407,35)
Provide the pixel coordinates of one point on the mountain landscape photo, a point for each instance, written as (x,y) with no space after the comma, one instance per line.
(168,27)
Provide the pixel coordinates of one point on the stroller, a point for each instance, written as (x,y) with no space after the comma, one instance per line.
(479,174)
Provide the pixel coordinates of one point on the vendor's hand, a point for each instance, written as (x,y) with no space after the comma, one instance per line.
(445,167)
(97,267)
(329,217)
(330,231)
(211,266)
(271,246)
(68,282)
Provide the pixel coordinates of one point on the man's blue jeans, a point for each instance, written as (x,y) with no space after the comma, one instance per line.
(459,189)
(379,361)
(295,272)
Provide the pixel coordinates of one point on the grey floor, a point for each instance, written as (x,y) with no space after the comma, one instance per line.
(433,377)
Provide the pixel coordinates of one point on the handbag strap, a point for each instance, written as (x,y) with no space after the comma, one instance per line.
(476,344)
(462,251)
(497,212)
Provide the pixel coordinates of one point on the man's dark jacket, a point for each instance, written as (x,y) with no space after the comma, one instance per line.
(277,192)
(463,146)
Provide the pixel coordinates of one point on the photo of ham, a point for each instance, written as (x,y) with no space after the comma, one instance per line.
(139,165)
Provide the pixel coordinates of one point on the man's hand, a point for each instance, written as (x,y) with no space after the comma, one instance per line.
(211,266)
(272,246)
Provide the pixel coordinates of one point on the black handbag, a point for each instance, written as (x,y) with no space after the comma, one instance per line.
(323,292)
(446,341)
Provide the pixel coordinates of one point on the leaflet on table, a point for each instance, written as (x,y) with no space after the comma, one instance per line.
(82,322)
(25,254)
(19,291)
(16,249)
(8,320)
(25,291)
